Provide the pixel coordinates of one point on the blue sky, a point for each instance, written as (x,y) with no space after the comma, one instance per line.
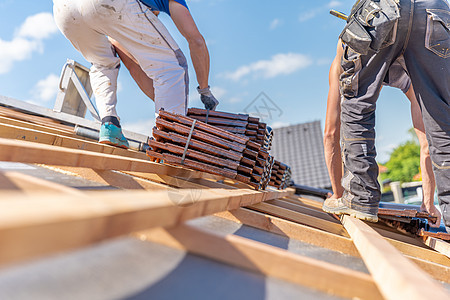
(281,48)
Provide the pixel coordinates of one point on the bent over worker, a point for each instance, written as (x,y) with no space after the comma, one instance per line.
(377,33)
(89,23)
(397,77)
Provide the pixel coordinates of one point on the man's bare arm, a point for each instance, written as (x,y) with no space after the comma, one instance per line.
(197,45)
(428,180)
(332,126)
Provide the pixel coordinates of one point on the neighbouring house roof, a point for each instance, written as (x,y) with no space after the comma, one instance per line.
(301,147)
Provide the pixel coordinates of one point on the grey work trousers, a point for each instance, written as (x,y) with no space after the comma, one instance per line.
(422,37)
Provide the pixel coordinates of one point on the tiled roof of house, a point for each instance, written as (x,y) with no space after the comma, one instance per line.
(301,147)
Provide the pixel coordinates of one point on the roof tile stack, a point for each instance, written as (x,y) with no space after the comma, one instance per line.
(211,148)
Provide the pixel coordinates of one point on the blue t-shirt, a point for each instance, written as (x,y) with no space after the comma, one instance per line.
(161,5)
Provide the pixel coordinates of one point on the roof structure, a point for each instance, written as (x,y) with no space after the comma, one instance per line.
(301,147)
(82,220)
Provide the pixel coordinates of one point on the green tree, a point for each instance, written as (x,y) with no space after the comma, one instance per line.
(404,162)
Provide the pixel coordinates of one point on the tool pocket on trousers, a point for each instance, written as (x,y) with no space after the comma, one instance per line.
(378,20)
(351,65)
(356,36)
(437,37)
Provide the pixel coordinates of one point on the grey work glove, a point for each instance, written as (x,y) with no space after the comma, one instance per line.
(208,98)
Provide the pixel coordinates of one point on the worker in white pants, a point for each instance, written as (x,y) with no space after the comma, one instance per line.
(89,23)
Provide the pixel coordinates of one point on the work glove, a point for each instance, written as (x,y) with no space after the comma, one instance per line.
(208,98)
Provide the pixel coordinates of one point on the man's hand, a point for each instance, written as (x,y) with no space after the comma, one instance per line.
(432,210)
(208,98)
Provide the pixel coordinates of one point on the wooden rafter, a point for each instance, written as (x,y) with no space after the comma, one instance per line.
(438,245)
(27,152)
(267,260)
(396,277)
(38,227)
(422,257)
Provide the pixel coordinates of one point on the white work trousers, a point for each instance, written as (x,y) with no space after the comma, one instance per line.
(87,23)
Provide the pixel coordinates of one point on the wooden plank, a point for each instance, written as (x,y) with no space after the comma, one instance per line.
(419,252)
(300,218)
(390,233)
(437,271)
(290,229)
(31,135)
(8,112)
(395,276)
(304,210)
(19,182)
(27,152)
(328,240)
(296,199)
(438,245)
(395,235)
(32,226)
(110,178)
(24,124)
(267,260)
(184,183)
(169,180)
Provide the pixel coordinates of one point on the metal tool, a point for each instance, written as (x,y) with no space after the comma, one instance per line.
(338,14)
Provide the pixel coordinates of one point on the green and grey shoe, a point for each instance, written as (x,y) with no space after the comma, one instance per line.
(337,207)
(112,135)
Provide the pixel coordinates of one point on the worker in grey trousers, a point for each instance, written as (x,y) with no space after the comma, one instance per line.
(377,33)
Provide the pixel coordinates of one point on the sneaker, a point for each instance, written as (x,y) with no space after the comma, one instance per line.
(112,135)
(337,207)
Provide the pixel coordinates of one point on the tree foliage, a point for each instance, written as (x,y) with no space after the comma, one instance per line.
(404,162)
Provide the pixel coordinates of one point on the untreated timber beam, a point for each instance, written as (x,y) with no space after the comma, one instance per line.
(438,245)
(395,276)
(31,226)
(267,260)
(110,178)
(290,229)
(19,182)
(433,263)
(42,137)
(301,218)
(27,152)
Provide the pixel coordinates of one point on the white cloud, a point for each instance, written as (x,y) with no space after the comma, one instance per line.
(47,88)
(274,24)
(39,26)
(334,3)
(142,126)
(279,124)
(16,50)
(27,40)
(279,64)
